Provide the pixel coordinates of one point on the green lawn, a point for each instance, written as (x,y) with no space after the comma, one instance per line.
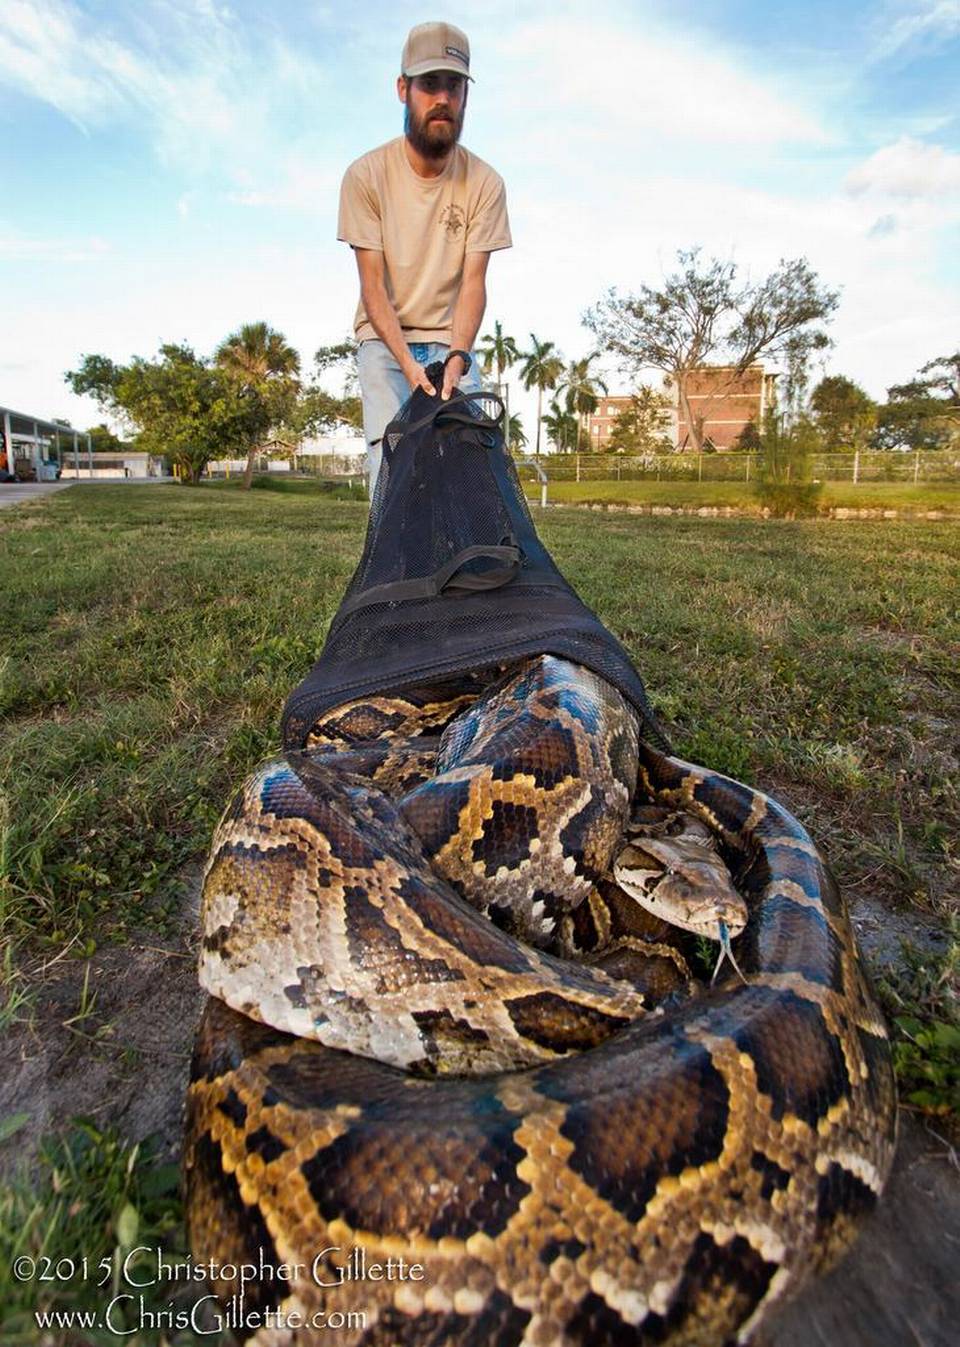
(152,635)
(899,496)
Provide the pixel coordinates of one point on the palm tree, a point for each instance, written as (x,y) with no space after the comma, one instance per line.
(582,389)
(561,426)
(265,370)
(498,352)
(516,437)
(542,369)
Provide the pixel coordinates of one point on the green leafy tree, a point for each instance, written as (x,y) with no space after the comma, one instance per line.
(925,412)
(342,358)
(702,314)
(542,369)
(638,429)
(943,379)
(318,410)
(265,370)
(915,423)
(329,357)
(843,413)
(178,405)
(103,440)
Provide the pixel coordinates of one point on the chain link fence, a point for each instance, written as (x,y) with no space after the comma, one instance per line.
(932,466)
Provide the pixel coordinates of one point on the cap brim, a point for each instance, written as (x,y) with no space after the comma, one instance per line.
(428,67)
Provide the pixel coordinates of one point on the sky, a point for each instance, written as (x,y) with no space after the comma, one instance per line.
(169,169)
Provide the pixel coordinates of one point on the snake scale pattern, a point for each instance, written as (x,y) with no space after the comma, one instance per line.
(440,1036)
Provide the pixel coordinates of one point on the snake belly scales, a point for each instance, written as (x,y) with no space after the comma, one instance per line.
(440,1035)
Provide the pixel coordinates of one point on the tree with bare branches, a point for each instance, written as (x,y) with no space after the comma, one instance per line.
(702,314)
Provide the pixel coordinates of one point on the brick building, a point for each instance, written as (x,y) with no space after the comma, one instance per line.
(726,404)
(599,424)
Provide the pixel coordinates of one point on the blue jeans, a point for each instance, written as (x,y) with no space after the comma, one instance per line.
(384,390)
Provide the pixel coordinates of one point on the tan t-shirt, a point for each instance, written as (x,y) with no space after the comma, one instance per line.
(424,227)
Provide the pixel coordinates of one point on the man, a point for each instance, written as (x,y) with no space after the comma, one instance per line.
(422,215)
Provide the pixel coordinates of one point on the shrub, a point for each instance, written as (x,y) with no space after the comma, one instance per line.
(785,484)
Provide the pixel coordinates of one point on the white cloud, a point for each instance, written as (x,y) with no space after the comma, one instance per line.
(937,20)
(17,248)
(636,81)
(207,90)
(910,169)
(294,183)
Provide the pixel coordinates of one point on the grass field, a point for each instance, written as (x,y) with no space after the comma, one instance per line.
(152,635)
(903,497)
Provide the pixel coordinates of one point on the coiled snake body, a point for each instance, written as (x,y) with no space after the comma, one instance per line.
(402,1069)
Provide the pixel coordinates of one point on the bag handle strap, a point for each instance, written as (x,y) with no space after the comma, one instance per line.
(448,578)
(452,410)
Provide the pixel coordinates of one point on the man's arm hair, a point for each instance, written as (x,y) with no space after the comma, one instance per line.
(467,314)
(383,316)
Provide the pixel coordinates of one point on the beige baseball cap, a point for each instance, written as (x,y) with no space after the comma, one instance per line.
(436,46)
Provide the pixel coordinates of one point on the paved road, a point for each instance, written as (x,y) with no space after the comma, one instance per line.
(13,493)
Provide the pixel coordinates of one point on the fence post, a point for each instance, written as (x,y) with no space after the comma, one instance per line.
(618,469)
(747,475)
(856,466)
(916,468)
(699,467)
(578,467)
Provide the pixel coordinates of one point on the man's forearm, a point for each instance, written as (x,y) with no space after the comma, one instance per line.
(468,314)
(384,321)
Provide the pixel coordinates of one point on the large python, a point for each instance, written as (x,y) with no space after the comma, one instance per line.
(408,1106)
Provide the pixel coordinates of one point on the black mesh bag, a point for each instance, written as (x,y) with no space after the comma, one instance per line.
(453,577)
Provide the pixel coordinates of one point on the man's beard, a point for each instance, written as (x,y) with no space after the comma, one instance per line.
(432,138)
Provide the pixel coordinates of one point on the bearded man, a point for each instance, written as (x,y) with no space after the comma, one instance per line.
(422,215)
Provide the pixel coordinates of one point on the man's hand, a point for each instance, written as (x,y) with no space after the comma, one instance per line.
(454,372)
(416,377)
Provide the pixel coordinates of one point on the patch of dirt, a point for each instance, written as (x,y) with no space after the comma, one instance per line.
(898,1287)
(881,932)
(126,1062)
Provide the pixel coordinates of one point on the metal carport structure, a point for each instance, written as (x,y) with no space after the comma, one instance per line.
(19,428)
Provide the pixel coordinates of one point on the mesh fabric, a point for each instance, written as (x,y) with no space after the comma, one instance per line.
(453,576)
